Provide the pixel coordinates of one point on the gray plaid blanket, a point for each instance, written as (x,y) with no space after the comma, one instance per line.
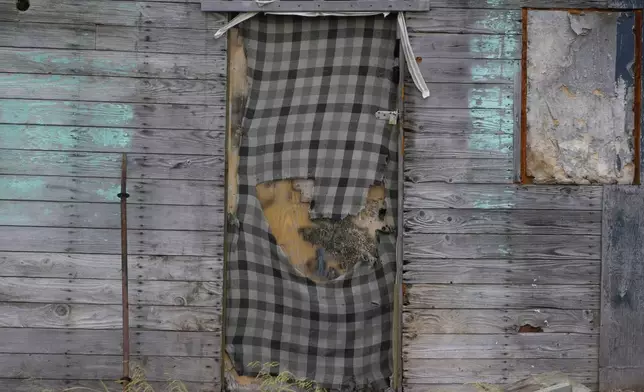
(315,85)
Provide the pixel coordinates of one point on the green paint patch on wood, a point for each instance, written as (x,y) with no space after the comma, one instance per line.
(495,46)
(26,82)
(109,193)
(79,62)
(37,137)
(56,163)
(19,187)
(114,138)
(64,112)
(489,97)
(496,121)
(504,250)
(504,70)
(502,200)
(502,143)
(504,22)
(48,58)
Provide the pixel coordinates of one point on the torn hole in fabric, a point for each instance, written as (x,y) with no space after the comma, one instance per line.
(323,249)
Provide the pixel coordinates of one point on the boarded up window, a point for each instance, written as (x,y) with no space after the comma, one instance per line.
(581,97)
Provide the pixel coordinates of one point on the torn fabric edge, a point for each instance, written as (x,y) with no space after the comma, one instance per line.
(410,57)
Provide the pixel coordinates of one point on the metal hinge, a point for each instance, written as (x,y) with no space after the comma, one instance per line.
(389,115)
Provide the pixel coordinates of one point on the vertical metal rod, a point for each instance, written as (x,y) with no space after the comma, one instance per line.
(124,276)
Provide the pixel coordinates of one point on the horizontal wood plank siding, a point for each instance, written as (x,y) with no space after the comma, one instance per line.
(418,322)
(118,12)
(487,261)
(121,63)
(103,367)
(93,266)
(93,316)
(496,371)
(22,385)
(81,83)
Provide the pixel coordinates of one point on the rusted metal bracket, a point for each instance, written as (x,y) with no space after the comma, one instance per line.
(124,275)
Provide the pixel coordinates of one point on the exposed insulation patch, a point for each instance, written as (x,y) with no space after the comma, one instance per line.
(352,240)
(579,100)
(322,249)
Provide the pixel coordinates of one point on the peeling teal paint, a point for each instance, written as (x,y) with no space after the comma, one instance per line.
(495,46)
(497,201)
(493,71)
(21,187)
(491,142)
(110,193)
(84,63)
(31,84)
(110,137)
(489,97)
(40,137)
(65,112)
(10,217)
(501,121)
(501,21)
(504,250)
(115,114)
(21,159)
(37,137)
(490,204)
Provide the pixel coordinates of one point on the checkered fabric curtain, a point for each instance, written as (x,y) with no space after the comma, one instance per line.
(315,85)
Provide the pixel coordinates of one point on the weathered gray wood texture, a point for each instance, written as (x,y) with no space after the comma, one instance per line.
(80,83)
(489,263)
(484,257)
(621,357)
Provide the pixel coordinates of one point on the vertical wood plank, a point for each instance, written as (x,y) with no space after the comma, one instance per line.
(621,358)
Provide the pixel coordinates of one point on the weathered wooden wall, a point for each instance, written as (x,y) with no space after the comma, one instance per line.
(81,82)
(485,257)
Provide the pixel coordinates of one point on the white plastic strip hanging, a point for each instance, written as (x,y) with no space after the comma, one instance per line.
(410,58)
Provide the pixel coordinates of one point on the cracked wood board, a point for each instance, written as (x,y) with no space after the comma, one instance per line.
(580,124)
